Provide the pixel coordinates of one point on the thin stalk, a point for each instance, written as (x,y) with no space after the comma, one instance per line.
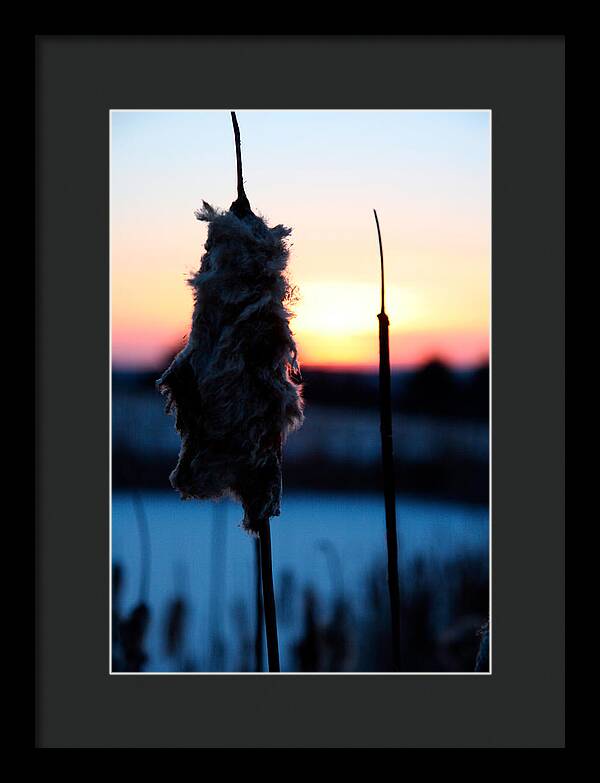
(334,566)
(241,206)
(387,455)
(145,546)
(266,567)
(217,585)
(258,639)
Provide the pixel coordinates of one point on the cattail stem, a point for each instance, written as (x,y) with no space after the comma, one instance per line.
(258,639)
(238,155)
(241,206)
(266,567)
(387,454)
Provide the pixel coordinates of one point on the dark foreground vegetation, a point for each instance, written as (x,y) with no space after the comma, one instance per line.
(443,617)
(441,452)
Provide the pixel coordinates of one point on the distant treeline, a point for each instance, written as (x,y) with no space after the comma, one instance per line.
(447,478)
(432,390)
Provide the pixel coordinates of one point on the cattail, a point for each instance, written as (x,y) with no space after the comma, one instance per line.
(235,387)
(387,456)
(176,620)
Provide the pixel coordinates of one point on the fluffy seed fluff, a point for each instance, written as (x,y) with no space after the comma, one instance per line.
(235,387)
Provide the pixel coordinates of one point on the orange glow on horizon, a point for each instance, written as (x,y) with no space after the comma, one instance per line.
(143,348)
(334,324)
(428,174)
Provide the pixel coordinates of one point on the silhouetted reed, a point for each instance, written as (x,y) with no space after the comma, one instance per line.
(333,635)
(145,545)
(325,644)
(286,597)
(235,386)
(308,648)
(245,646)
(129,632)
(334,565)
(175,622)
(117,650)
(258,604)
(216,591)
(337,634)
(387,455)
(132,634)
(437,637)
(175,626)
(482,663)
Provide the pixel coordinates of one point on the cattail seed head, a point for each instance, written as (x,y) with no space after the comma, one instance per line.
(235,386)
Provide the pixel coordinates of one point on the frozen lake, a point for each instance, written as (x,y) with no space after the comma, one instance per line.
(326,541)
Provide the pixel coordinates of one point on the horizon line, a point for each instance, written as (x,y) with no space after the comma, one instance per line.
(332,368)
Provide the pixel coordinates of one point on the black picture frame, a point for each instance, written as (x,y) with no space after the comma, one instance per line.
(78,80)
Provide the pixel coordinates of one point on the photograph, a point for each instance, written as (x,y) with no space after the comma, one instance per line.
(300,395)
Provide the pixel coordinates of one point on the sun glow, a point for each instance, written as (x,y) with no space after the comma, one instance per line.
(335,308)
(427,173)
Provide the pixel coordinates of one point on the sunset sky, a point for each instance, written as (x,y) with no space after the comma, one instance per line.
(321,173)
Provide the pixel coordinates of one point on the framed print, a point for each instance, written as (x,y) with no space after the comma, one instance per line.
(314,428)
(187,593)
